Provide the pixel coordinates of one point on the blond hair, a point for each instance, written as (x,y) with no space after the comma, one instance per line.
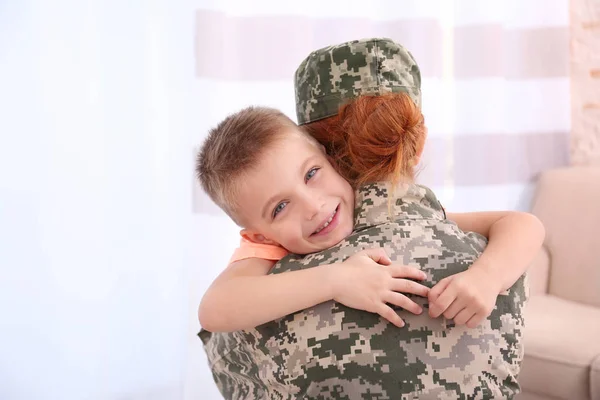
(232,148)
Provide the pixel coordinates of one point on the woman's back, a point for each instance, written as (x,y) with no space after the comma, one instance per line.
(331,351)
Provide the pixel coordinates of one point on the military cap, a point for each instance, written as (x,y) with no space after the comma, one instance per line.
(331,76)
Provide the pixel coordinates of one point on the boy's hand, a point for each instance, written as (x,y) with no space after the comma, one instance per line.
(367,281)
(467,297)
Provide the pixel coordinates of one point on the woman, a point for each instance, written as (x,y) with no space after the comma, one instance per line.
(332,351)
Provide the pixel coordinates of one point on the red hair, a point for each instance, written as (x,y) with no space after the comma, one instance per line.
(373,138)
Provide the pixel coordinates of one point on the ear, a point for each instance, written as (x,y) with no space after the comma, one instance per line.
(255,237)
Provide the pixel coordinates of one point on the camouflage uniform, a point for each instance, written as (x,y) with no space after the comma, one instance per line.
(334,352)
(331,351)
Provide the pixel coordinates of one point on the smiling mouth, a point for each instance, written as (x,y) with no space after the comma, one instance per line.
(326,223)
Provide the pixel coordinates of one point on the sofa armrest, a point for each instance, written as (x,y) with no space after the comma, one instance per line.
(566,202)
(539,272)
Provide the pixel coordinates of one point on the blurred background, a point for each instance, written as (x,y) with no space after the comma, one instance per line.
(106,241)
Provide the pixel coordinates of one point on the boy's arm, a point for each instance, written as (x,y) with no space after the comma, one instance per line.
(244,296)
(514,240)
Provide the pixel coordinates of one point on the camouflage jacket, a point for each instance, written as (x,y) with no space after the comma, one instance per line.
(331,351)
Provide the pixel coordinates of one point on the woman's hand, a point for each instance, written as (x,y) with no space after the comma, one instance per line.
(368,281)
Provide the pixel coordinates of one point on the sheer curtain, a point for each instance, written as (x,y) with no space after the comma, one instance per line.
(107,243)
(495,93)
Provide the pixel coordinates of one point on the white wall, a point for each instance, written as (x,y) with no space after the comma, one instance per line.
(97,239)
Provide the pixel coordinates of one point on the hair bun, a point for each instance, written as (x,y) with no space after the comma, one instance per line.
(384,134)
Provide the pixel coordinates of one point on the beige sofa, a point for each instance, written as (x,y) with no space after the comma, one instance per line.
(562,335)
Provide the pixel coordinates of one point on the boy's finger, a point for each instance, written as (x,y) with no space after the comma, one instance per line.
(454,309)
(438,288)
(378,255)
(400,300)
(407,272)
(462,317)
(388,313)
(475,320)
(406,286)
(442,303)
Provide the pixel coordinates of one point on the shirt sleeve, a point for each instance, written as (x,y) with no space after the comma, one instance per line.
(250,249)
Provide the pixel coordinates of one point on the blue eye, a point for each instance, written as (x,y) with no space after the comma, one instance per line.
(310,174)
(279,208)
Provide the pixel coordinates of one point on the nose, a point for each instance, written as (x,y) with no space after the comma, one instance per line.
(313,204)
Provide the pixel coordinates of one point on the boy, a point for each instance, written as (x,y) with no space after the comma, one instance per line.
(277,183)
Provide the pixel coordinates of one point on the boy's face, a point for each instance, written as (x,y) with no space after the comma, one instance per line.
(294,198)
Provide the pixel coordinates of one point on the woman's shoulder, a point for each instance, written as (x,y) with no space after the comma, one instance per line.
(385,202)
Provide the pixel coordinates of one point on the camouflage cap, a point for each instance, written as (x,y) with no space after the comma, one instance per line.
(330,76)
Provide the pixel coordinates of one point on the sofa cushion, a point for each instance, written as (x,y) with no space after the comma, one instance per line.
(562,341)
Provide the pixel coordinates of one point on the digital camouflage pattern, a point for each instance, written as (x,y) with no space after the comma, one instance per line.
(331,76)
(334,352)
